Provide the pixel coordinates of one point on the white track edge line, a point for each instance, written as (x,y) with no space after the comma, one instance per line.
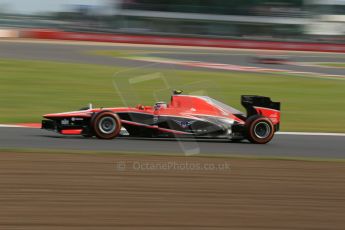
(311,134)
(12,126)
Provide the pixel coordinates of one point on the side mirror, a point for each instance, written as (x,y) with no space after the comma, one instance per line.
(87,108)
(177,92)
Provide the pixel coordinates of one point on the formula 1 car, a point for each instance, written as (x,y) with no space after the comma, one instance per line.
(184,116)
(272,60)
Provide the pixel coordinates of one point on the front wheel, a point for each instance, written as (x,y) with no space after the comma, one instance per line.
(260,130)
(106,125)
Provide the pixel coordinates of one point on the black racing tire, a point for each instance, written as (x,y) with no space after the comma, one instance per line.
(259,129)
(106,125)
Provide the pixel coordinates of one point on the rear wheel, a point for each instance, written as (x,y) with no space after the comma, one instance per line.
(106,125)
(260,130)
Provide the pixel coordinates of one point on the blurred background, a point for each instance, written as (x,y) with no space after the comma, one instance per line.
(288,20)
(39,76)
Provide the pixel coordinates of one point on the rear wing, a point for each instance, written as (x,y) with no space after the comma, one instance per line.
(259,105)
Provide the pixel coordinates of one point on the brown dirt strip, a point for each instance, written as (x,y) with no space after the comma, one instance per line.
(81,191)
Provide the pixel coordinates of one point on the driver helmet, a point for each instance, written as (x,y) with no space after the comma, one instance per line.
(160,105)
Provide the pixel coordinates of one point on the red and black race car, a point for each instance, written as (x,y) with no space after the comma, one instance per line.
(184,116)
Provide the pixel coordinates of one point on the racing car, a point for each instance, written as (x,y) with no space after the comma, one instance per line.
(272,60)
(184,116)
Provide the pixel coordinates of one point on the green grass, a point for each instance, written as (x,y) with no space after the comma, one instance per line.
(333,64)
(29,89)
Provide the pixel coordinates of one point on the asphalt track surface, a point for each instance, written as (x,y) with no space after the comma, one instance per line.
(281,146)
(80,53)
